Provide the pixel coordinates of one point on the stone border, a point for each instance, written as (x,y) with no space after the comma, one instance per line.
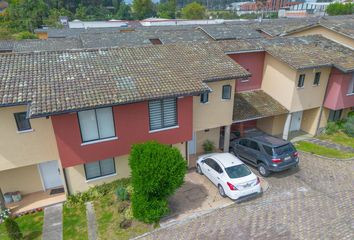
(198,214)
(328,158)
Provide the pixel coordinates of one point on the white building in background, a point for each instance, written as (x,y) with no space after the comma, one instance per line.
(97,24)
(169,22)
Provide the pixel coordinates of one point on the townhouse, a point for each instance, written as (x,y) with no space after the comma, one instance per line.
(74,115)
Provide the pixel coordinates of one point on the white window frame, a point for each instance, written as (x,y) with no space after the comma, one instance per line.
(99,139)
(301,79)
(163,126)
(315,79)
(351,87)
(204,97)
(101,175)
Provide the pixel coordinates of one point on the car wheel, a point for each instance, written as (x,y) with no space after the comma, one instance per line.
(262,169)
(199,170)
(221,191)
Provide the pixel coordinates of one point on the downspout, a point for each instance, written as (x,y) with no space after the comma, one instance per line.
(321,108)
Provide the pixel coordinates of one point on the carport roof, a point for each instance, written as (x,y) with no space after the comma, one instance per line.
(255,104)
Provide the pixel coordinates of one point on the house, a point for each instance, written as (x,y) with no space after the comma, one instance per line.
(75,114)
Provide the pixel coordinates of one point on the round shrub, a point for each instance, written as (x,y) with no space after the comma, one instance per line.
(331,128)
(349,126)
(157,170)
(122,193)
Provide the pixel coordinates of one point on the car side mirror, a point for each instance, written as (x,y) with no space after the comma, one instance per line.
(203,161)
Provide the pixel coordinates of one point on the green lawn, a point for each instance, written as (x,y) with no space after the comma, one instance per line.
(74,222)
(108,220)
(338,137)
(30,225)
(322,151)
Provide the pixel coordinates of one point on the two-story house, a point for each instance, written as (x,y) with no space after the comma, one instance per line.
(70,117)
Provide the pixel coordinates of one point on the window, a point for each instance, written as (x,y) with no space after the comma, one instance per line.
(351,86)
(214,165)
(226,92)
(23,124)
(100,168)
(155,41)
(300,83)
(316,81)
(284,149)
(238,171)
(204,97)
(96,124)
(253,145)
(163,113)
(268,150)
(243,142)
(334,115)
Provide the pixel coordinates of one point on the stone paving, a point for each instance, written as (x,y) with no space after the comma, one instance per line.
(53,222)
(313,202)
(331,145)
(91,221)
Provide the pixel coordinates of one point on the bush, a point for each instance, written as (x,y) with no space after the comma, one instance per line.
(4,214)
(157,170)
(331,128)
(25,35)
(349,126)
(208,146)
(13,230)
(122,193)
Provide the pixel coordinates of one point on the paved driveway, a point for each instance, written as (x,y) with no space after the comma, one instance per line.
(314,202)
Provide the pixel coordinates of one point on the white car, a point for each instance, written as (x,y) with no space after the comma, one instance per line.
(232,177)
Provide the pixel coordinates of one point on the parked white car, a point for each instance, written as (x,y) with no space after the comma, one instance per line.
(231,176)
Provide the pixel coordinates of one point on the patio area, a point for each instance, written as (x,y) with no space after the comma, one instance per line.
(36,200)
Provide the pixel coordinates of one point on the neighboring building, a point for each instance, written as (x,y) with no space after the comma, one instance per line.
(97,24)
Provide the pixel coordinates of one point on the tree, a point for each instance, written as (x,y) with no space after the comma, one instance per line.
(167,9)
(53,19)
(340,9)
(157,170)
(12,228)
(143,9)
(193,11)
(124,12)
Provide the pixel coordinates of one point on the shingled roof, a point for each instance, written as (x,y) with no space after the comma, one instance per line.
(46,45)
(6,45)
(231,31)
(62,81)
(255,104)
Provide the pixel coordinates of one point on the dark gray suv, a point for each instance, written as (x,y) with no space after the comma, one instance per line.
(267,153)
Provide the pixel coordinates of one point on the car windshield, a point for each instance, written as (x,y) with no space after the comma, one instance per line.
(283,149)
(238,171)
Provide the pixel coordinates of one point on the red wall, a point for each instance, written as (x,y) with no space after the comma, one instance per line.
(132,126)
(337,90)
(252,62)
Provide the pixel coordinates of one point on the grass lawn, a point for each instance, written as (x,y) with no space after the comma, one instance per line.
(322,151)
(108,220)
(338,137)
(74,222)
(30,225)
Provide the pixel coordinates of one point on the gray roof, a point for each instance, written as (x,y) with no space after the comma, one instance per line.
(46,45)
(6,45)
(75,32)
(61,81)
(232,31)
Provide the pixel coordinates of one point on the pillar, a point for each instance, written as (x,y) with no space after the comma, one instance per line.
(287,127)
(227,131)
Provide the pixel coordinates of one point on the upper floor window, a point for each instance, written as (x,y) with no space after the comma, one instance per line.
(23,124)
(301,81)
(204,97)
(226,92)
(100,168)
(316,81)
(351,86)
(163,113)
(96,124)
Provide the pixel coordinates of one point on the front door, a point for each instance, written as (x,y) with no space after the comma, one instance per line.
(192,145)
(50,174)
(296,121)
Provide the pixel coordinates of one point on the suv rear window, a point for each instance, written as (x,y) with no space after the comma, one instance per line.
(238,171)
(268,150)
(283,149)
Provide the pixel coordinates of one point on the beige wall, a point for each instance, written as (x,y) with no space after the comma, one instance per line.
(280,82)
(23,149)
(324,117)
(211,134)
(76,179)
(349,42)
(272,125)
(310,120)
(181,147)
(310,96)
(24,179)
(216,112)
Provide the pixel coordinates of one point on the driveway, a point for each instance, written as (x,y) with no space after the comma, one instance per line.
(313,202)
(197,196)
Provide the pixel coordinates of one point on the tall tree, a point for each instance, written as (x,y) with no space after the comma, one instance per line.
(142,9)
(193,11)
(167,9)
